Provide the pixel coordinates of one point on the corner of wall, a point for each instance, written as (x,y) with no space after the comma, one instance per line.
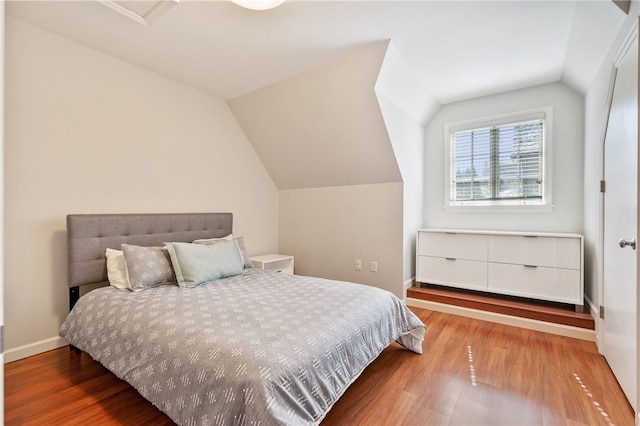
(401,85)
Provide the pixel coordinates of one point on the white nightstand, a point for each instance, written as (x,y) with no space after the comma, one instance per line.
(274,262)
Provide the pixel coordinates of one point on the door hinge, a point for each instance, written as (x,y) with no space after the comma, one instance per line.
(603,185)
(602,312)
(1,339)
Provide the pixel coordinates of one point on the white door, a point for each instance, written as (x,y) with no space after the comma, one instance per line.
(620,225)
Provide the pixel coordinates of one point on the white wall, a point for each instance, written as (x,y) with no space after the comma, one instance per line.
(327,229)
(407,138)
(567,168)
(401,84)
(87,133)
(406,107)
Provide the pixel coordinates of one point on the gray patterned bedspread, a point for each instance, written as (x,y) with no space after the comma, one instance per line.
(261,348)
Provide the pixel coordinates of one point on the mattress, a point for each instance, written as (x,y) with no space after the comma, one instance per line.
(260,348)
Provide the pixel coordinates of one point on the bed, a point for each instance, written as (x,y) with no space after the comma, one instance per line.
(251,348)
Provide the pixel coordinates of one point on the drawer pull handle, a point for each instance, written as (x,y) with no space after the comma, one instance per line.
(450,258)
(530,266)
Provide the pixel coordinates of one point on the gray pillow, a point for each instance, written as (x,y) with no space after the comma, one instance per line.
(196,264)
(239,242)
(147,266)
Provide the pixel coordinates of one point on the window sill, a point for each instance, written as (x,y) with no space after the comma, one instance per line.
(499,208)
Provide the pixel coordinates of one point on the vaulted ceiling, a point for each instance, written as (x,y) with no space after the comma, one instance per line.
(300,78)
(460,49)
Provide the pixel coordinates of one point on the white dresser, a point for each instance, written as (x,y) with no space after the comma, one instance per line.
(544,266)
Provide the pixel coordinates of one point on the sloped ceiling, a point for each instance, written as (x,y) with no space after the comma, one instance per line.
(300,78)
(322,127)
(325,127)
(461,49)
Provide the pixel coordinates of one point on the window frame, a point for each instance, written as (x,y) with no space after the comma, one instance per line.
(539,205)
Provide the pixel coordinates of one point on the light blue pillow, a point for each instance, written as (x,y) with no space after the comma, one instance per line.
(239,241)
(196,264)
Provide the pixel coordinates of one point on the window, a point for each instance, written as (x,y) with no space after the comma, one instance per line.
(499,162)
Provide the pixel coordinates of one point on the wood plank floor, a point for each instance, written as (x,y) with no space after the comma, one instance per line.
(557,313)
(472,372)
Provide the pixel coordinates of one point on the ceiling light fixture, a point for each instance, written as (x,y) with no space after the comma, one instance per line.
(258,4)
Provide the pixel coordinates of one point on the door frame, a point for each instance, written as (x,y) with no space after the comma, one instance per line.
(2,51)
(631,37)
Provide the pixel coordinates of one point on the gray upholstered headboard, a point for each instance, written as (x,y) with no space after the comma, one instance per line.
(89,235)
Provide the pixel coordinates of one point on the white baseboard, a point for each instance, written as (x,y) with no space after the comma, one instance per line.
(595,313)
(407,284)
(530,324)
(34,349)
(593,309)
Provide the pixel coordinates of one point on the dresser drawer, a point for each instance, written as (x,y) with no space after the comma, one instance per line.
(555,284)
(456,273)
(554,252)
(453,245)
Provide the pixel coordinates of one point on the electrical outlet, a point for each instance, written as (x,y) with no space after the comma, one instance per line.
(358,265)
(374,266)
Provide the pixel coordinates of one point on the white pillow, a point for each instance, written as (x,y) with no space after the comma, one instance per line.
(213,240)
(116,270)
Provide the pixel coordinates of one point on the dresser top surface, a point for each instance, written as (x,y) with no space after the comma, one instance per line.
(515,233)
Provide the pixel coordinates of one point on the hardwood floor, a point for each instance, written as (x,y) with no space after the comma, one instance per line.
(472,372)
(557,313)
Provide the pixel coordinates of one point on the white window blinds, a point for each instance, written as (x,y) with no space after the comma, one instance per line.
(500,162)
